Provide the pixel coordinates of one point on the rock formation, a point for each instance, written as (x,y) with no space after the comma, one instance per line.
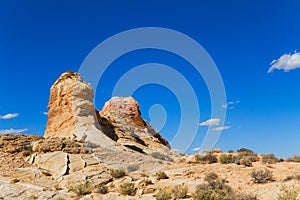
(72,113)
(121,120)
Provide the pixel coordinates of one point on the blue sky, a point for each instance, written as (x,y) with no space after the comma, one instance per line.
(40,40)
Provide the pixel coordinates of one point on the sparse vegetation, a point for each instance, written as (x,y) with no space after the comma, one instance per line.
(179,191)
(161,175)
(295,158)
(160,156)
(206,158)
(269,159)
(292,177)
(246,197)
(82,188)
(163,195)
(227,158)
(230,151)
(102,189)
(287,193)
(127,189)
(210,177)
(215,190)
(246,157)
(262,176)
(117,173)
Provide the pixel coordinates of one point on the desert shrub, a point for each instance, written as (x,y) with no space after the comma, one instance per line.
(295,158)
(244,150)
(82,188)
(161,156)
(102,189)
(246,157)
(206,158)
(287,193)
(179,191)
(269,159)
(210,177)
(204,195)
(230,151)
(216,151)
(292,177)
(127,189)
(262,176)
(246,197)
(163,195)
(117,173)
(227,158)
(215,190)
(132,168)
(161,175)
(246,161)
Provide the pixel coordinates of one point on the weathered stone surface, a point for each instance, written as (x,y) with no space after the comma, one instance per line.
(55,162)
(59,144)
(76,163)
(72,113)
(17,143)
(121,120)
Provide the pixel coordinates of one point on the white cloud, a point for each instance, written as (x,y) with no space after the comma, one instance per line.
(211,122)
(45,113)
(286,62)
(221,128)
(10,131)
(196,149)
(230,104)
(9,116)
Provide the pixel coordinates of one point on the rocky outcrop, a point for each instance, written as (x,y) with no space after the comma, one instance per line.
(72,113)
(121,120)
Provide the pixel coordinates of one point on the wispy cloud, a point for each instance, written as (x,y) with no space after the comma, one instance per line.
(45,113)
(230,104)
(9,116)
(286,62)
(211,122)
(11,131)
(196,149)
(221,128)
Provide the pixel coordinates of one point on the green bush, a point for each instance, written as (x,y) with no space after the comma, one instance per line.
(227,158)
(82,189)
(287,193)
(161,175)
(163,195)
(127,189)
(117,173)
(262,176)
(179,191)
(206,158)
(230,151)
(269,159)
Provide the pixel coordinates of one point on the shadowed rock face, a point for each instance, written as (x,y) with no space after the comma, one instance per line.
(121,120)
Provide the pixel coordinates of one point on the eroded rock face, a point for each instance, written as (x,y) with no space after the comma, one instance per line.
(72,113)
(121,120)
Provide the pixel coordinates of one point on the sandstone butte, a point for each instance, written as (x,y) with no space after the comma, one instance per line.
(84,153)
